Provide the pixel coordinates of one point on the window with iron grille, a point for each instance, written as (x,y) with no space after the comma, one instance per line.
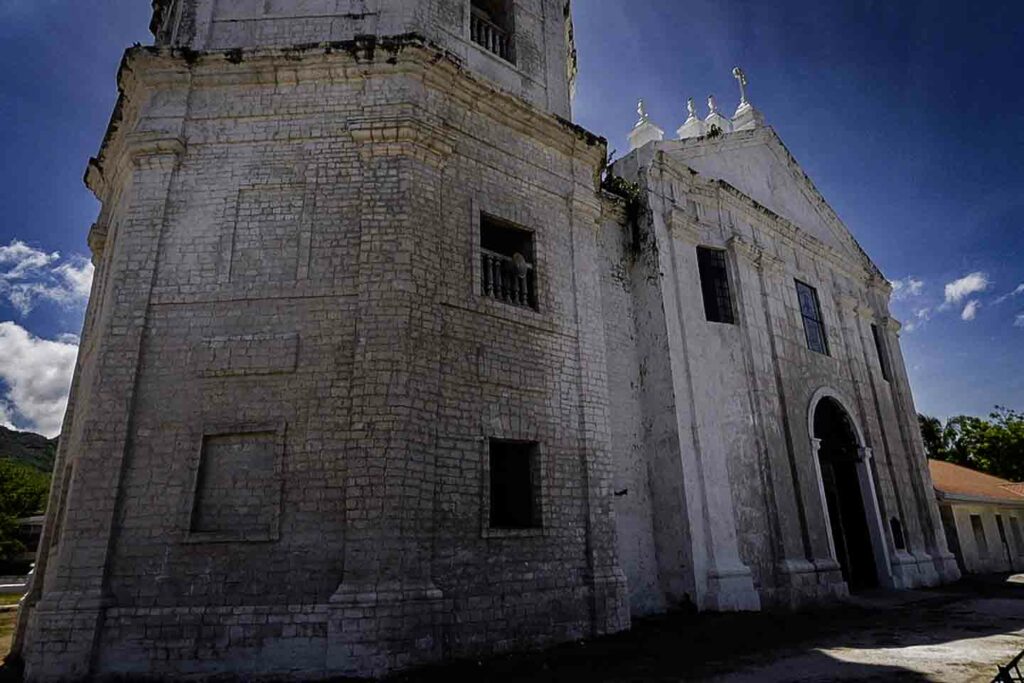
(883,356)
(814,323)
(508,273)
(491,27)
(714,285)
(514,485)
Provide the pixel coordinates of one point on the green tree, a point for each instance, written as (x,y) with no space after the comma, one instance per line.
(23,492)
(994,445)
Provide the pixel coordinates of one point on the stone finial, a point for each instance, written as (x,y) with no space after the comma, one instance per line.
(644,131)
(693,127)
(746,116)
(715,121)
(641,113)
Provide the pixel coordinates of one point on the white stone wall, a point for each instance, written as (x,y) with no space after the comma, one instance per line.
(997,557)
(295,261)
(748,481)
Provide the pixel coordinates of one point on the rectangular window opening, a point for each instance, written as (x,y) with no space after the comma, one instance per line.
(898,539)
(1018,540)
(508,271)
(714,285)
(978,527)
(514,485)
(883,356)
(491,27)
(814,323)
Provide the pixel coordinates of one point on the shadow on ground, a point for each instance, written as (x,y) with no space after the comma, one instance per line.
(956,633)
(931,635)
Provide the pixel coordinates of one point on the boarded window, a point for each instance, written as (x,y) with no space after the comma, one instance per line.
(514,485)
(265,245)
(979,535)
(508,273)
(714,285)
(883,355)
(814,323)
(238,489)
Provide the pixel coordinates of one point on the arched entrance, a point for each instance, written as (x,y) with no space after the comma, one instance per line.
(841,461)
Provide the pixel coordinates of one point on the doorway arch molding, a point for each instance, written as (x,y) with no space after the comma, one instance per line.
(876,531)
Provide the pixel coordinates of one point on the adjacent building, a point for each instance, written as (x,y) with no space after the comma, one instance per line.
(983,517)
(383,365)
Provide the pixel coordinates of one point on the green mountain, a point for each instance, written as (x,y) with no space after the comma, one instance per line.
(29,449)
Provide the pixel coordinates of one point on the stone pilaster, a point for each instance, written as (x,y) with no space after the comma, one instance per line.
(65,624)
(387,610)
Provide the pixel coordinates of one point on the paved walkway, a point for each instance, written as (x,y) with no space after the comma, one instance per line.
(958,633)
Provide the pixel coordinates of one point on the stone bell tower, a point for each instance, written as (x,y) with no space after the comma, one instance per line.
(340,405)
(525,47)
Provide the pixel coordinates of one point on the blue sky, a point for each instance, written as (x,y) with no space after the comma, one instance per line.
(906,115)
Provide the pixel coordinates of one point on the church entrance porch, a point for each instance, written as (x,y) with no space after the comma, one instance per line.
(848,496)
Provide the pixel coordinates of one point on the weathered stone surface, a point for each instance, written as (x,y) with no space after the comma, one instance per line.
(275,460)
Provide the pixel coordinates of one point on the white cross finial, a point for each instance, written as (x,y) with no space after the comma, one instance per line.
(742,78)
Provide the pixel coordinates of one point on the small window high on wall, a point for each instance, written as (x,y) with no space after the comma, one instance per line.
(491,26)
(814,323)
(883,356)
(714,285)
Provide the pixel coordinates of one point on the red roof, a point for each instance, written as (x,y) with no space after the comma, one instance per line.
(961,482)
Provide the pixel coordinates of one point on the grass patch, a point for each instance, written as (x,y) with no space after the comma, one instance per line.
(6,632)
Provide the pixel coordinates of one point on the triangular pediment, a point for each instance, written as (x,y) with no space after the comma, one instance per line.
(758,164)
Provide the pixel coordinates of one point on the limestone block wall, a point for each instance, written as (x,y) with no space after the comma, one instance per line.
(288,317)
(537,72)
(981,547)
(751,490)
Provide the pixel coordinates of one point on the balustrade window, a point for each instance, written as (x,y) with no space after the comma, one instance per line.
(491,27)
(814,323)
(508,272)
(515,477)
(714,285)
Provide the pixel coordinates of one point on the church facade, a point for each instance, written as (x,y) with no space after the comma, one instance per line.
(383,365)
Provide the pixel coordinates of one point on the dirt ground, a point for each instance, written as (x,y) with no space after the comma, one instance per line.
(956,633)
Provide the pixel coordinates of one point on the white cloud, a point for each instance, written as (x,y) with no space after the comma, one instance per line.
(906,288)
(1019,321)
(29,276)
(36,374)
(959,290)
(970,310)
(1016,292)
(921,316)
